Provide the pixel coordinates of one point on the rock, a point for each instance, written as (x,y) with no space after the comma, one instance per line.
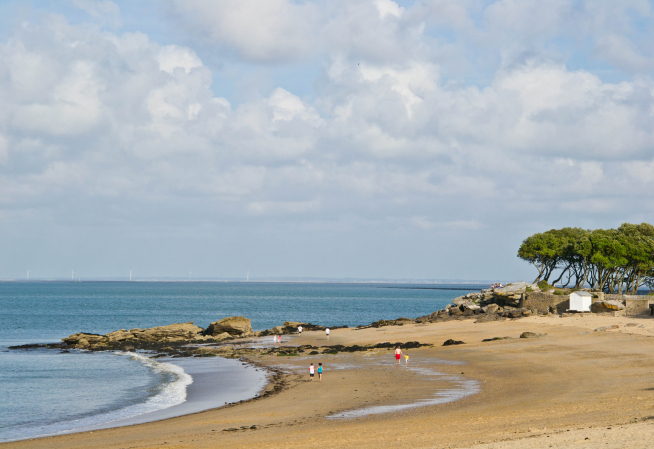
(531,335)
(527,312)
(451,342)
(171,332)
(455,311)
(278,330)
(630,325)
(222,337)
(515,313)
(491,308)
(422,319)
(460,300)
(487,317)
(120,335)
(470,306)
(82,343)
(606,306)
(607,328)
(236,326)
(516,287)
(403,321)
(75,339)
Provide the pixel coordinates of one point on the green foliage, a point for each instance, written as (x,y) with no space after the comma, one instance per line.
(529,289)
(613,260)
(558,292)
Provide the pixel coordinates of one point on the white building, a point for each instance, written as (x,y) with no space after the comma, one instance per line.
(580,301)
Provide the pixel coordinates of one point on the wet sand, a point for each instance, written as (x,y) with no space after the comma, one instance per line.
(554,391)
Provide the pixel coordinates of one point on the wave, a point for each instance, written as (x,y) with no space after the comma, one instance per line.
(168,394)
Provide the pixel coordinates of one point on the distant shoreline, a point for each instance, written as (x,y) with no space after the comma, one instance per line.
(251,281)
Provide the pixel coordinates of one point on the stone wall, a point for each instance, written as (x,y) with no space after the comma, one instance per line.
(637,307)
(542,302)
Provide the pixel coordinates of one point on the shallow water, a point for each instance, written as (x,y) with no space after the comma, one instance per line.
(460,388)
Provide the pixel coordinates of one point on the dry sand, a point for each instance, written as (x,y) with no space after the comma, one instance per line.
(573,388)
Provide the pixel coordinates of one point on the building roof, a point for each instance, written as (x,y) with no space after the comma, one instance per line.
(582,293)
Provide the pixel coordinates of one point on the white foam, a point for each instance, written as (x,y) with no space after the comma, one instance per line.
(171,394)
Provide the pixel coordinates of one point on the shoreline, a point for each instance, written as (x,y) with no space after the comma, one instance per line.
(214,382)
(536,388)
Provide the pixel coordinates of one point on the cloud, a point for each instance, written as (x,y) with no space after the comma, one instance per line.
(259,30)
(100,127)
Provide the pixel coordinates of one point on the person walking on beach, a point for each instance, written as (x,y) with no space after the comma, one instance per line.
(320,372)
(311,371)
(327,333)
(406,359)
(398,355)
(299,329)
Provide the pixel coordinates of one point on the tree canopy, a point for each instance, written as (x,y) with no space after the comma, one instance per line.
(612,260)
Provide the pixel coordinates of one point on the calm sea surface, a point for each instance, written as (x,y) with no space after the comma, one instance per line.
(45,392)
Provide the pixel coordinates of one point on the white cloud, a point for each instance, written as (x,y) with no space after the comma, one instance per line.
(260,30)
(387,141)
(173,56)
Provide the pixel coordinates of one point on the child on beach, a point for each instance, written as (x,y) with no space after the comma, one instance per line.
(311,371)
(406,359)
(320,372)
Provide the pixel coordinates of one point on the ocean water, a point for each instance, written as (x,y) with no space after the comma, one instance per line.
(46,392)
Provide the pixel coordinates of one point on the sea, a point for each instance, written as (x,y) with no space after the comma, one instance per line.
(48,391)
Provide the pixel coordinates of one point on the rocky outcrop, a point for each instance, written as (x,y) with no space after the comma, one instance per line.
(121,339)
(451,342)
(236,326)
(516,287)
(171,332)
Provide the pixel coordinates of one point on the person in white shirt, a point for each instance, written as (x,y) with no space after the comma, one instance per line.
(327,333)
(299,329)
(311,372)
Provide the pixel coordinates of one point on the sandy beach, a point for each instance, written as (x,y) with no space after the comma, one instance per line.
(575,387)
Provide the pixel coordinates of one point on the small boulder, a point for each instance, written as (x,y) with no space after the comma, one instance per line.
(490,308)
(607,328)
(236,326)
(487,317)
(451,342)
(606,306)
(498,338)
(531,335)
(470,306)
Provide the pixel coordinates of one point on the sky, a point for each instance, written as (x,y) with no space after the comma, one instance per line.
(332,139)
